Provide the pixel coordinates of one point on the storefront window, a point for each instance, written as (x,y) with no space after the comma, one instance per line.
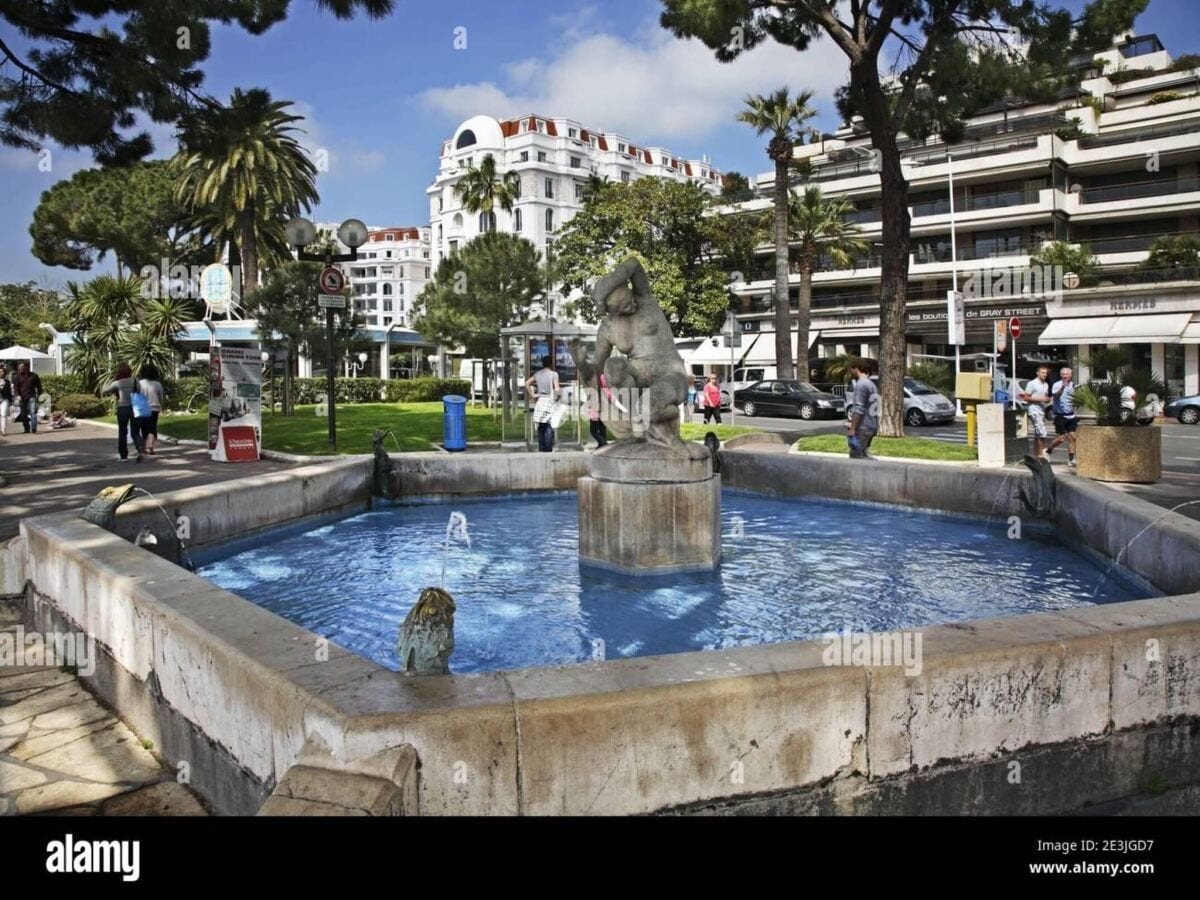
(1173,369)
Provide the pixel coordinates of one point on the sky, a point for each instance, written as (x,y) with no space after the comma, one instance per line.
(379,97)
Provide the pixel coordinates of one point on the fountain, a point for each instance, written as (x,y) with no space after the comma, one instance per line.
(650,503)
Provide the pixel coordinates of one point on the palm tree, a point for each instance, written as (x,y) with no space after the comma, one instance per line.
(818,228)
(114,324)
(242,169)
(782,117)
(482,189)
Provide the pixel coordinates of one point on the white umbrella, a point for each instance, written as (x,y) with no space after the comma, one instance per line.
(16,351)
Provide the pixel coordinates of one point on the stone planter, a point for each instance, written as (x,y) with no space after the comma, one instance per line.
(1119,453)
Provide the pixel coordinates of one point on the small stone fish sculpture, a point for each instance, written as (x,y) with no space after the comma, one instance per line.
(427,636)
(1041,499)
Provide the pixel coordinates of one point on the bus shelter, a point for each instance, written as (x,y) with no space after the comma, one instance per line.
(522,348)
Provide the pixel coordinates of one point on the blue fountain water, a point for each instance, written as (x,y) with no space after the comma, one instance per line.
(791,570)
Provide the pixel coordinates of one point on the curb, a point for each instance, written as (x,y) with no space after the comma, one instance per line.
(959,463)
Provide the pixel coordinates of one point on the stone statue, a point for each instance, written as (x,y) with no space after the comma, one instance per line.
(427,636)
(1041,499)
(650,368)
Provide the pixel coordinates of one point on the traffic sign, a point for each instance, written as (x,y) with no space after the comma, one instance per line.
(332,280)
(330,301)
(1014,327)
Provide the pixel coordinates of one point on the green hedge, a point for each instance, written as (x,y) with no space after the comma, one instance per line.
(370,390)
(423,390)
(182,390)
(81,406)
(62,385)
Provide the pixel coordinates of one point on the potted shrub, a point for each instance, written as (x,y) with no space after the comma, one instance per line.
(1114,448)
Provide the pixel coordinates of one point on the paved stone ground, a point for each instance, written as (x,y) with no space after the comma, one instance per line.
(58,470)
(62,752)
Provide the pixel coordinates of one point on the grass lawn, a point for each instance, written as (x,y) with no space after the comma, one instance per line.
(905,447)
(415,426)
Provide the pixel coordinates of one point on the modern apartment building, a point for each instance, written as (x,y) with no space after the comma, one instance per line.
(392,268)
(1112,165)
(554,158)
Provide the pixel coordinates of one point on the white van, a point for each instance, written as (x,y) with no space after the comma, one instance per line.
(743,378)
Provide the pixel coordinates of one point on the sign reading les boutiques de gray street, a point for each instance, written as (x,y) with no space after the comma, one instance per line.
(979,313)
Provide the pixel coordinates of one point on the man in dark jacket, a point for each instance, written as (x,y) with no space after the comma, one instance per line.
(27,386)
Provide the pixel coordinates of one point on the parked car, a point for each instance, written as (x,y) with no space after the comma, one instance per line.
(744,378)
(922,404)
(786,398)
(1185,409)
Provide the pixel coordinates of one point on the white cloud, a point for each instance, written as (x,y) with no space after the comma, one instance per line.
(650,88)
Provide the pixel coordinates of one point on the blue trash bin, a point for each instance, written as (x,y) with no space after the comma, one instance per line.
(454,423)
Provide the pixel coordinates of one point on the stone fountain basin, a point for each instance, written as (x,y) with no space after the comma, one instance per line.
(240,693)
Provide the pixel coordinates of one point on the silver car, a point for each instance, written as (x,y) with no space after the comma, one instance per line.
(922,404)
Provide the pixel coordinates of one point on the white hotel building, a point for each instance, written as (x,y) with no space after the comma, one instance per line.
(554,158)
(1112,165)
(392,268)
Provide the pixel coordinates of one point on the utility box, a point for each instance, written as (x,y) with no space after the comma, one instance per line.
(973,386)
(1001,435)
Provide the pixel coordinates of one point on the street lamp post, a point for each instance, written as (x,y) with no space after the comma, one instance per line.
(356,366)
(353,233)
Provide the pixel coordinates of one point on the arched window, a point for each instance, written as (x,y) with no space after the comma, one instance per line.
(487,222)
(549,221)
(466,139)
(516,220)
(387,289)
(458,220)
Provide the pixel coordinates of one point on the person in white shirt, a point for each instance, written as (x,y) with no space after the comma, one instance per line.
(546,381)
(1037,395)
(1065,419)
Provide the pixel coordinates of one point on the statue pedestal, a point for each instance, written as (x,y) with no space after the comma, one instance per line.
(644,510)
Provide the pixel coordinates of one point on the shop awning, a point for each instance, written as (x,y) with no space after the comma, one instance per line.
(1163,329)
(758,348)
(1191,334)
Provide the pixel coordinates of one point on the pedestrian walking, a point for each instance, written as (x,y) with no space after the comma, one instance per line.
(148,404)
(691,399)
(125,386)
(1037,396)
(545,380)
(712,400)
(6,398)
(1066,421)
(864,408)
(27,387)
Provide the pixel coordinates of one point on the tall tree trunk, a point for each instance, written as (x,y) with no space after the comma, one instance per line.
(248,246)
(804,320)
(783,306)
(893,318)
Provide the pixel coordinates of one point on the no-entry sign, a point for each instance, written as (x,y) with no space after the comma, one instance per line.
(1014,327)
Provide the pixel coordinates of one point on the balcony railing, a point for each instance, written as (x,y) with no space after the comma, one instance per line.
(934,253)
(1130,243)
(1138,189)
(1136,135)
(974,203)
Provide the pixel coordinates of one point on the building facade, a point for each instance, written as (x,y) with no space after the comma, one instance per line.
(1113,165)
(392,268)
(554,158)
